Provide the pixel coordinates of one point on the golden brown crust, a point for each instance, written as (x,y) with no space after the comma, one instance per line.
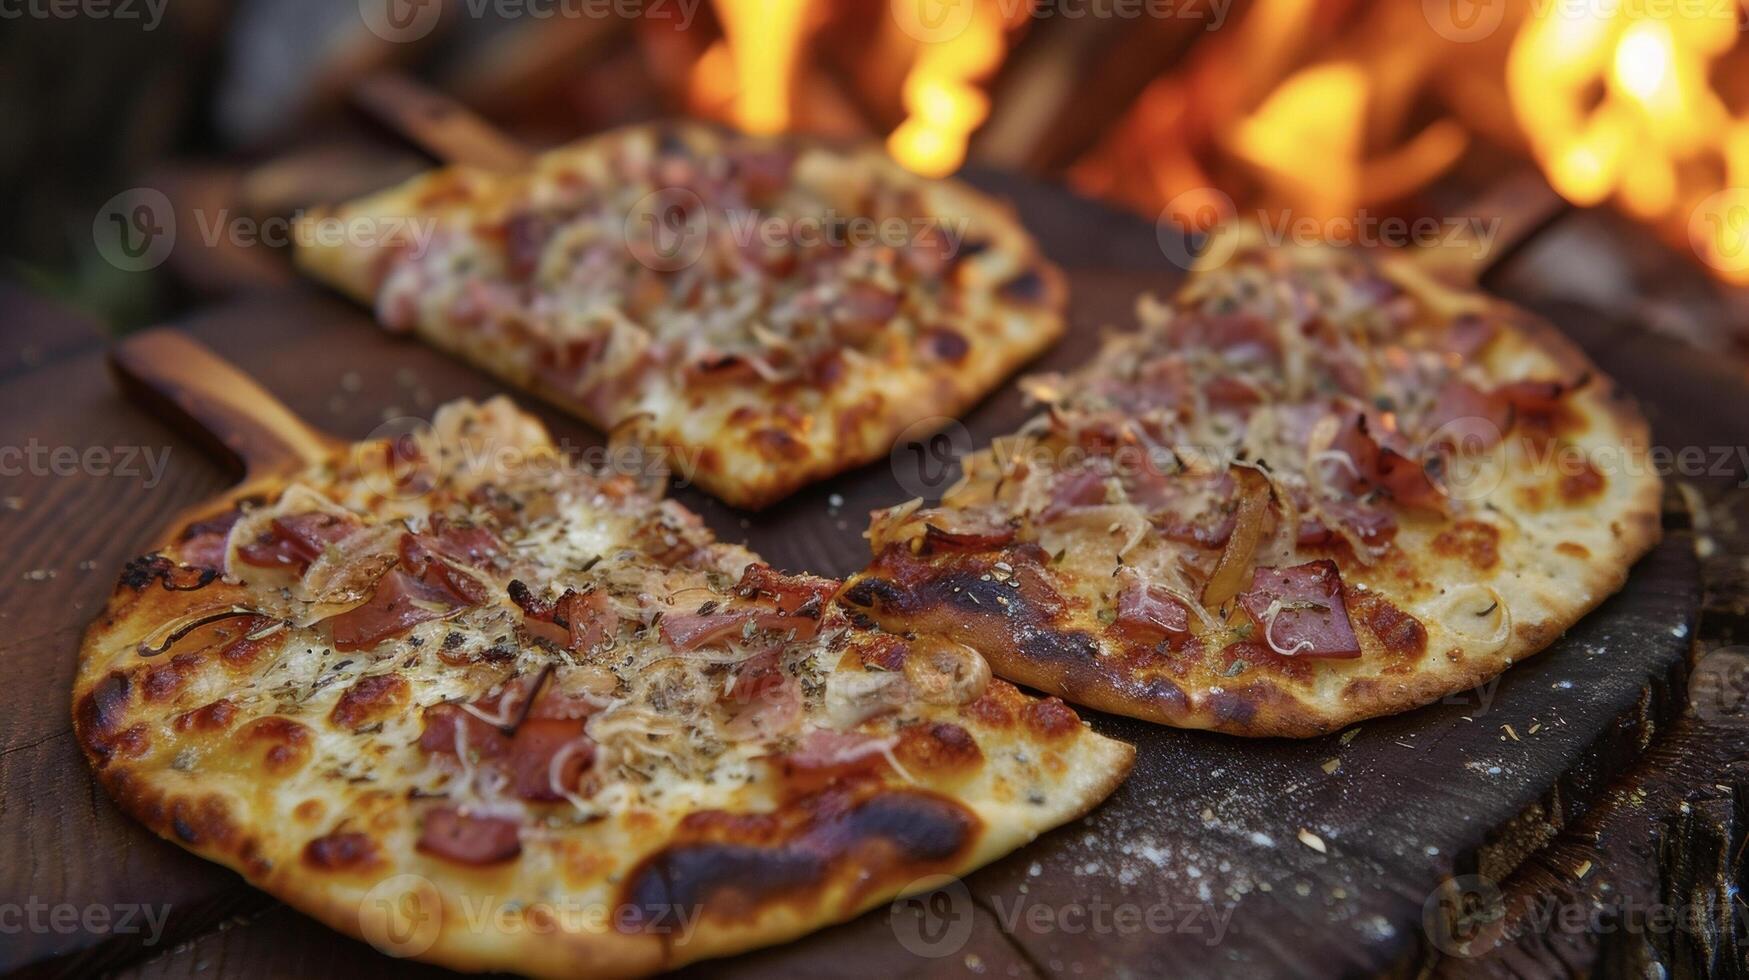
(755,441)
(217,711)
(1447,604)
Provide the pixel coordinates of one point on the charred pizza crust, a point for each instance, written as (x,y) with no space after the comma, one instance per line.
(450,695)
(756,369)
(1443,577)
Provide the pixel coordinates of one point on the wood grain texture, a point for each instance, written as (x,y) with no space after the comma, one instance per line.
(1204,842)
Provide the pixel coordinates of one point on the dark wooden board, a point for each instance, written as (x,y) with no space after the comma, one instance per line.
(1207,827)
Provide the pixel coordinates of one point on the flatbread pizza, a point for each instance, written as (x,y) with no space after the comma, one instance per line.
(1314,487)
(768,310)
(451,694)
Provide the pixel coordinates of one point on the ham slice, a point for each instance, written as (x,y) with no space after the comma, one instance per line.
(689,631)
(1381,461)
(1148,612)
(296,540)
(1372,525)
(1300,610)
(539,744)
(421,588)
(581,621)
(764,701)
(1240,337)
(1070,491)
(449,833)
(768,599)
(824,755)
(202,543)
(542,752)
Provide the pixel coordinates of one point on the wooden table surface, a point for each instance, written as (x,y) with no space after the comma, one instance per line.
(1605,789)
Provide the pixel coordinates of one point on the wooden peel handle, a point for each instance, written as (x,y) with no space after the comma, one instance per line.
(199,392)
(1504,217)
(438,124)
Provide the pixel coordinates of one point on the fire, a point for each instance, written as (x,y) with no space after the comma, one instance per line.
(1616,103)
(764,39)
(755,74)
(941,93)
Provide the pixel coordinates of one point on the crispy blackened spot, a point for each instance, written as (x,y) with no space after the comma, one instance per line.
(945,344)
(205,821)
(877,837)
(369,699)
(99,714)
(146,569)
(1399,634)
(730,881)
(1004,604)
(1028,287)
(1233,707)
(341,851)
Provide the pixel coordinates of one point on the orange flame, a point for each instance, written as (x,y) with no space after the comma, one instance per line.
(1653,139)
(764,39)
(941,94)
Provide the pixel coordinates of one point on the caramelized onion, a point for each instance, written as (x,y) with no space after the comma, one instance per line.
(1233,570)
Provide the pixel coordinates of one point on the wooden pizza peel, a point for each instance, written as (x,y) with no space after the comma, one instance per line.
(1219,856)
